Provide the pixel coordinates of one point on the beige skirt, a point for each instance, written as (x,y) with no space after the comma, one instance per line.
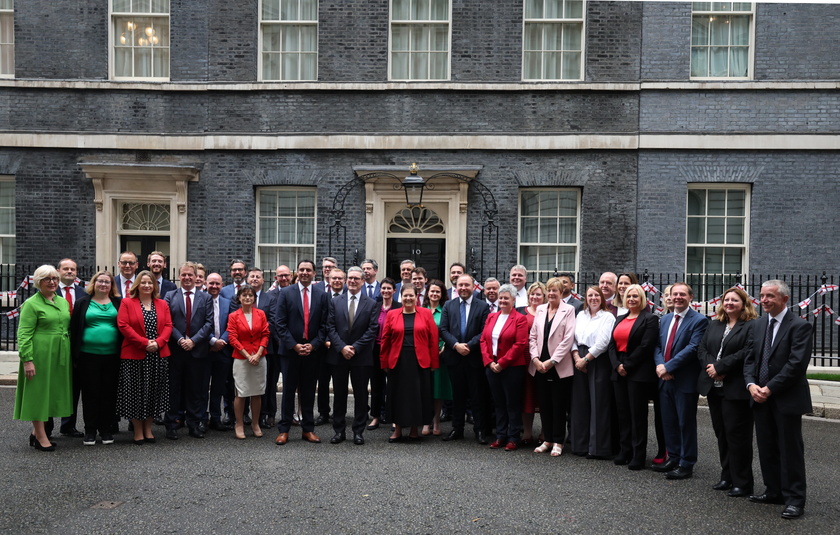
(248,379)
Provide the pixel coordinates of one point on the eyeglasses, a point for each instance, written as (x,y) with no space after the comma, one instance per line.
(50,279)
(127,263)
(105,281)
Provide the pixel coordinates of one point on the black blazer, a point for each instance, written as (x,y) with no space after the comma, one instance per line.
(362,336)
(77,324)
(638,359)
(736,347)
(789,360)
(450,331)
(288,317)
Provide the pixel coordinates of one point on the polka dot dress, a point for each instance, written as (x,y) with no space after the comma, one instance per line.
(144,384)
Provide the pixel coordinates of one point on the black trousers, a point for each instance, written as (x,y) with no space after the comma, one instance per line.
(506,387)
(555,395)
(358,377)
(631,398)
(378,380)
(189,388)
(781,451)
(269,402)
(221,372)
(467,385)
(732,421)
(324,377)
(98,376)
(300,374)
(592,399)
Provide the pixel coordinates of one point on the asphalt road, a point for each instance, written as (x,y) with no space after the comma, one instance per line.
(223,485)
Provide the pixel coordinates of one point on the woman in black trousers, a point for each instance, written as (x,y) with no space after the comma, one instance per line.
(724,347)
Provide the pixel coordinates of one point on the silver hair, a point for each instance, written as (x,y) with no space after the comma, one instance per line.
(784,289)
(356,268)
(509,289)
(42,273)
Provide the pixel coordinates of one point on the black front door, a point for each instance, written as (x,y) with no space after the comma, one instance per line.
(428,253)
(142,246)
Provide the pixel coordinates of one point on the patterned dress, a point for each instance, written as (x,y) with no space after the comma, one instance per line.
(144,384)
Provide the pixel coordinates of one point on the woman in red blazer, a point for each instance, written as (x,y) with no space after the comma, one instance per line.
(504,348)
(145,324)
(409,352)
(248,334)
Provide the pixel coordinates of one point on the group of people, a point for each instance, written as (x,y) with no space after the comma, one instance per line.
(495,355)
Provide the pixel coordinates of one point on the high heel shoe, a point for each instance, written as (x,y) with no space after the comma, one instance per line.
(33,442)
(39,447)
(239,431)
(257,431)
(557,450)
(542,448)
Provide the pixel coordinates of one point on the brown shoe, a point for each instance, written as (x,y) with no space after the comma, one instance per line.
(309,436)
(281,439)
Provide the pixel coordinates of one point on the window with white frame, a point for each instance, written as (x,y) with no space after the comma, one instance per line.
(721,35)
(548,231)
(7,220)
(285,226)
(717,233)
(7,38)
(420,33)
(553,40)
(289,40)
(140,37)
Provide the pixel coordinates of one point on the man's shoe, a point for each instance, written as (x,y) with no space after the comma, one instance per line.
(455,434)
(793,511)
(195,432)
(217,425)
(281,439)
(767,498)
(228,419)
(171,433)
(481,438)
(445,416)
(309,436)
(107,438)
(264,422)
(90,439)
(73,433)
(679,472)
(738,492)
(722,485)
(202,427)
(496,444)
(321,419)
(338,438)
(666,467)
(358,439)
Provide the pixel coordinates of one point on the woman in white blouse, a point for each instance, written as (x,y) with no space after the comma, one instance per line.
(592,391)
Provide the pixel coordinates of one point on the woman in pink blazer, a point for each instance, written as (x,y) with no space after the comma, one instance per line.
(551,339)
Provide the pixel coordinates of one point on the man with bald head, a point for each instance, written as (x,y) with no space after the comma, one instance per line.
(607,284)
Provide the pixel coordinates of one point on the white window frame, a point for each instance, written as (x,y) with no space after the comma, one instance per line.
(702,277)
(304,250)
(8,41)
(114,35)
(535,274)
(9,179)
(724,13)
(288,24)
(392,23)
(559,21)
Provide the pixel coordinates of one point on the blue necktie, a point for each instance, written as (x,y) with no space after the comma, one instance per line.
(463,320)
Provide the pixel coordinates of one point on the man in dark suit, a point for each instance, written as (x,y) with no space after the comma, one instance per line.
(406,267)
(462,355)
(491,293)
(678,367)
(456,270)
(128,268)
(775,376)
(189,363)
(68,289)
(352,325)
(220,351)
(567,280)
(157,265)
(268,409)
(238,273)
(301,320)
(371,285)
(607,282)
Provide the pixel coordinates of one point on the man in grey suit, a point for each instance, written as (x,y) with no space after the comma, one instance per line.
(352,325)
(189,364)
(775,377)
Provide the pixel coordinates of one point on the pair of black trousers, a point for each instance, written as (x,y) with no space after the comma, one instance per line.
(732,421)
(98,377)
(555,396)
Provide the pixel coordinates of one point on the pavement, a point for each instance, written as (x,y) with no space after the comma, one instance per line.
(825,395)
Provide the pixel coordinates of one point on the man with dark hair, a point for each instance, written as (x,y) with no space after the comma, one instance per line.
(238,273)
(419,279)
(70,290)
(567,282)
(157,265)
(371,285)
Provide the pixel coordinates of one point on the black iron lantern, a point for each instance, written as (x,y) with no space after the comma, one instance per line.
(413,186)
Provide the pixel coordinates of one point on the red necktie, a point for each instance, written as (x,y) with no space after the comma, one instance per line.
(305,314)
(670,345)
(188,302)
(127,288)
(69,297)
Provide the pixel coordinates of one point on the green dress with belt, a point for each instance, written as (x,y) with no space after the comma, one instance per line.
(43,339)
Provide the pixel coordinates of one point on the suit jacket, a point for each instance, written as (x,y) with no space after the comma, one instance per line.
(229,291)
(120,282)
(577,304)
(77,323)
(736,347)
(133,328)
(561,338)
(288,317)
(425,339)
(450,331)
(166,286)
(248,338)
(512,348)
(377,294)
(224,313)
(789,358)
(362,336)
(684,365)
(638,360)
(201,321)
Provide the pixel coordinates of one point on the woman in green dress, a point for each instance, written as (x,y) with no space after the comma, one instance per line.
(44,388)
(441,386)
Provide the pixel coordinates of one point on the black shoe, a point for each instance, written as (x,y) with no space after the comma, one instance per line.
(793,511)
(73,433)
(358,439)
(321,419)
(228,420)
(373,427)
(90,439)
(445,416)
(172,434)
(635,466)
(139,442)
(481,438)
(107,438)
(392,440)
(455,434)
(195,432)
(202,427)
(217,425)
(158,421)
(130,426)
(469,419)
(767,498)
(264,422)
(738,492)
(338,438)
(680,472)
(39,447)
(621,460)
(722,485)
(665,467)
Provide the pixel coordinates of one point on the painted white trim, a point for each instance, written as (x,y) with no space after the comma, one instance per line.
(740,141)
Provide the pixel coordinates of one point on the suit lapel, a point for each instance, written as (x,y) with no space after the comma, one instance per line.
(783,329)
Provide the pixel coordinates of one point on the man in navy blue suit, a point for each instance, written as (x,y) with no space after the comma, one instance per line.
(189,363)
(128,268)
(678,367)
(221,361)
(371,285)
(68,289)
(268,410)
(157,265)
(301,321)
(238,273)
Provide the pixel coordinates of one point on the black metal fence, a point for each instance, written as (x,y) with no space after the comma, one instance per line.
(818,294)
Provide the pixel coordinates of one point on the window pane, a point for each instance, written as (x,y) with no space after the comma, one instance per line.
(571,66)
(715,230)
(399,38)
(568,203)
(553,9)
(740,28)
(287,230)
(571,36)
(308,66)
(309,38)
(399,66)
(530,203)
(699,62)
(531,70)
(568,230)
(440,39)
(548,204)
(7,250)
(270,9)
(566,259)
(717,202)
(547,258)
(696,230)
(306,231)
(309,9)
(714,260)
(268,204)
(121,6)
(286,205)
(289,10)
(696,202)
(735,231)
(533,9)
(268,230)
(736,203)
(440,9)
(400,9)
(306,204)
(552,34)
(528,257)
(733,260)
(699,31)
(574,9)
(272,35)
(420,66)
(548,230)
(694,260)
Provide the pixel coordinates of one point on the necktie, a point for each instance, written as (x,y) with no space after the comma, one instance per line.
(673,335)
(305,313)
(216,332)
(764,367)
(127,288)
(492,307)
(69,297)
(370,291)
(336,294)
(351,315)
(188,303)
(463,320)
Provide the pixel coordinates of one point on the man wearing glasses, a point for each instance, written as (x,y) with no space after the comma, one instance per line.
(128,268)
